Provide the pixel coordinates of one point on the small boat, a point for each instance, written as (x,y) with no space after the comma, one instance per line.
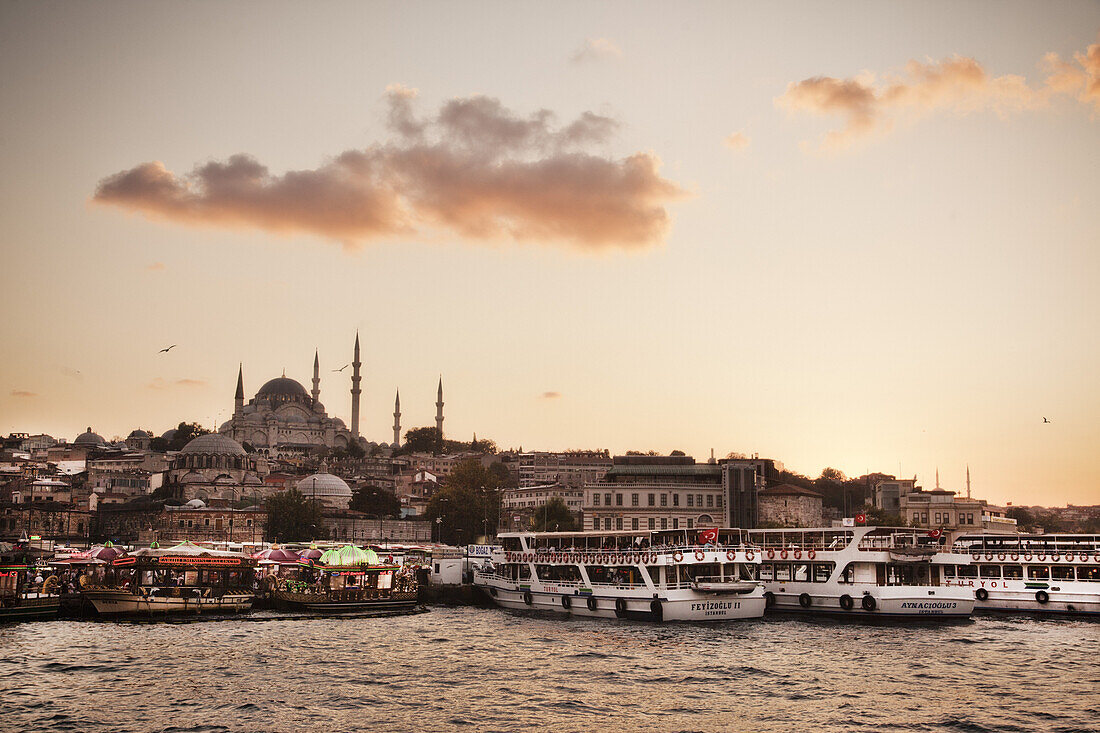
(21,599)
(1042,573)
(648,575)
(186,578)
(859,571)
(348,580)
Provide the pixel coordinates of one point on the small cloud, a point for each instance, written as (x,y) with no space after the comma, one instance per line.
(551,395)
(23,393)
(736,141)
(162,384)
(596,49)
(72,373)
(155,267)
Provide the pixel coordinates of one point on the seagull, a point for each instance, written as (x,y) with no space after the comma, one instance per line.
(168,349)
(1045,420)
(342,368)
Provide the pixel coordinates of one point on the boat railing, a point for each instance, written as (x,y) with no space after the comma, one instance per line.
(587,554)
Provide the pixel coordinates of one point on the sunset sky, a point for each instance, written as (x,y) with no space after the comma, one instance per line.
(861,235)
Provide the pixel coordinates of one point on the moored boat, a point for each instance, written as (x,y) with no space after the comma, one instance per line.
(1055,573)
(859,571)
(21,598)
(648,575)
(186,578)
(348,580)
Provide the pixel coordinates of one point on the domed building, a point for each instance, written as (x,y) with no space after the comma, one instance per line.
(330,490)
(214,466)
(88,439)
(139,440)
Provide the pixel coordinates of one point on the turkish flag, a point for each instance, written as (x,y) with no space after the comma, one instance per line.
(709,535)
(861,519)
(934,534)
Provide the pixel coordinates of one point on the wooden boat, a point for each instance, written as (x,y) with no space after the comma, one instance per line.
(348,580)
(20,600)
(186,578)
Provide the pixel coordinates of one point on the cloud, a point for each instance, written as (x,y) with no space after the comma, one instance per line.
(156,267)
(161,384)
(596,49)
(867,105)
(736,141)
(72,373)
(551,395)
(23,393)
(474,169)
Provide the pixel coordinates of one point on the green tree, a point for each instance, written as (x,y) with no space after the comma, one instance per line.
(468,505)
(185,433)
(292,517)
(505,478)
(554,516)
(423,440)
(376,501)
(883,518)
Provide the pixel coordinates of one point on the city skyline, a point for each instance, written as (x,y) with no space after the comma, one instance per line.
(686,231)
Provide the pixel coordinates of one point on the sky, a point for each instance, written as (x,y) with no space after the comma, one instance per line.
(859,235)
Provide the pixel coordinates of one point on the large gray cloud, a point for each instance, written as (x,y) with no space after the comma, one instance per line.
(475,169)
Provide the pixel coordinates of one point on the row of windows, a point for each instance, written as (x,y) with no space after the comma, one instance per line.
(693,500)
(652,522)
(797,572)
(206,523)
(1017,572)
(943,518)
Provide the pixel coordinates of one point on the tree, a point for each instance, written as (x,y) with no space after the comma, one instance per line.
(505,478)
(883,518)
(1023,517)
(376,501)
(468,505)
(185,433)
(292,517)
(423,440)
(554,516)
(832,474)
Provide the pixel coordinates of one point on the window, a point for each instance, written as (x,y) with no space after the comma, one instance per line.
(691,500)
(766,571)
(937,517)
(618,522)
(595,499)
(916,517)
(595,522)
(607,522)
(1013,571)
(1088,573)
(651,523)
(969,518)
(801,572)
(664,522)
(699,500)
(634,501)
(710,501)
(718,501)
(1038,572)
(653,500)
(181,524)
(675,500)
(607,499)
(1062,572)
(822,571)
(675,523)
(990,571)
(634,521)
(664,499)
(782,571)
(690,521)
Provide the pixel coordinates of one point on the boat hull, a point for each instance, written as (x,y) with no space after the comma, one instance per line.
(671,606)
(315,603)
(1063,599)
(121,602)
(31,609)
(889,601)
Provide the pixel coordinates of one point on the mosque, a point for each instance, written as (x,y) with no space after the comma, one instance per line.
(283,418)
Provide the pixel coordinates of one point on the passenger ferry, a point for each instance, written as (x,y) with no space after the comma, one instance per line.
(860,571)
(186,578)
(1046,573)
(648,575)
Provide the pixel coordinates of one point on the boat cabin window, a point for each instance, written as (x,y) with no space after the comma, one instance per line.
(1013,571)
(990,571)
(782,571)
(1062,572)
(948,571)
(822,571)
(801,572)
(1038,572)
(767,571)
(558,573)
(968,571)
(654,573)
(743,571)
(1091,573)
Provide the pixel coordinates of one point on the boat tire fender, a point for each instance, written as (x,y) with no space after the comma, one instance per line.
(591,603)
(805,601)
(846,602)
(527,598)
(1042,597)
(868,603)
(620,607)
(769,599)
(981,594)
(566,602)
(657,610)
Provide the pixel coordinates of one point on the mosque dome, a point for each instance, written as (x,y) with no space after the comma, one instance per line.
(214,444)
(282,387)
(196,504)
(89,438)
(193,477)
(326,487)
(168,434)
(139,434)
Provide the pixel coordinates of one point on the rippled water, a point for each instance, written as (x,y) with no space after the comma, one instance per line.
(486,669)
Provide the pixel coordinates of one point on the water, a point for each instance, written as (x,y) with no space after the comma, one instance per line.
(491,670)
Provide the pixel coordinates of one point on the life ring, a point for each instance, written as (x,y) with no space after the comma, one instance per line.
(1069,557)
(731,555)
(678,556)
(566,602)
(1054,557)
(1014,556)
(805,601)
(976,557)
(981,594)
(797,554)
(699,555)
(782,554)
(771,554)
(527,598)
(868,603)
(769,599)
(846,602)
(749,556)
(989,556)
(1042,597)
(811,554)
(1027,558)
(1001,556)
(657,610)
(620,607)
(591,603)
(1040,558)
(1096,557)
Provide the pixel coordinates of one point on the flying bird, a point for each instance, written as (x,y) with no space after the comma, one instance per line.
(342,368)
(1045,420)
(168,349)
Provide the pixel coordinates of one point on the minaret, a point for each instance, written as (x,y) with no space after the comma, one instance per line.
(397,419)
(238,398)
(968,482)
(355,391)
(937,478)
(316,379)
(439,408)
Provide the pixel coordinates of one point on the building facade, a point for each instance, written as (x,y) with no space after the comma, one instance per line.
(790,506)
(569,468)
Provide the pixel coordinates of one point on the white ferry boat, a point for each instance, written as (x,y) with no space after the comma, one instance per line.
(649,575)
(867,571)
(1045,573)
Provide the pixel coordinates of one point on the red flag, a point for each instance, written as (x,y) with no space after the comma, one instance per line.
(861,519)
(709,535)
(934,534)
